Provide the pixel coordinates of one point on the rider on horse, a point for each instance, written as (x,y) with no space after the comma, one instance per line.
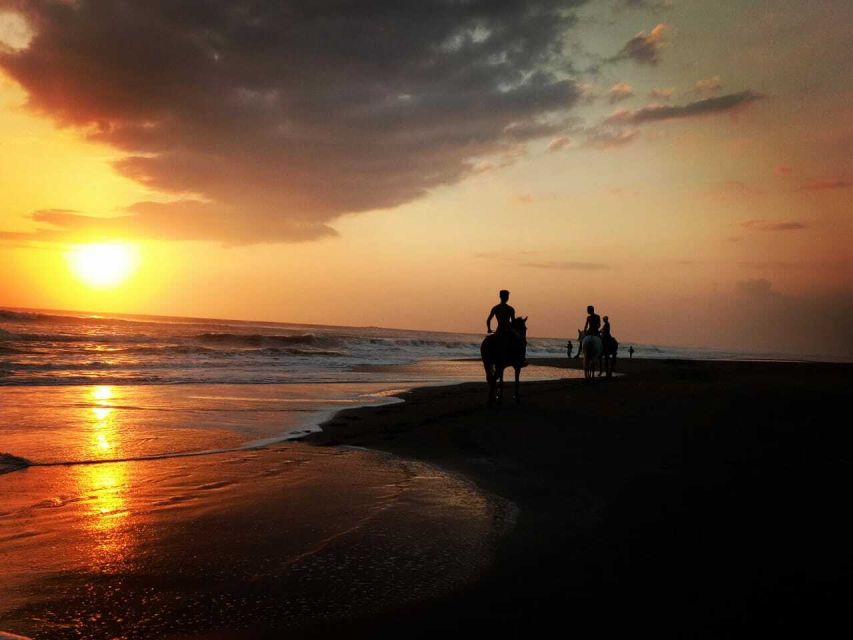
(593,322)
(505,335)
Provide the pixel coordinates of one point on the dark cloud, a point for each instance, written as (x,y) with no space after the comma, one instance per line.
(764,225)
(708,106)
(645,47)
(648,5)
(288,114)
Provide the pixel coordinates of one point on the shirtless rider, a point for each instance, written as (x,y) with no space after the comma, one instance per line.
(593,322)
(503,313)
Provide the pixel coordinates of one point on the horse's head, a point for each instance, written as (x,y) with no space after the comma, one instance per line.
(520,326)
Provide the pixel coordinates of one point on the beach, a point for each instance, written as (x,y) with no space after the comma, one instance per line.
(687,499)
(698,499)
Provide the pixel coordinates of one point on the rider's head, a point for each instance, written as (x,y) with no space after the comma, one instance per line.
(606,319)
(504,294)
(590,309)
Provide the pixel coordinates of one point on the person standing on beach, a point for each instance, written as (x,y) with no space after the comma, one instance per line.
(569,349)
(593,322)
(630,352)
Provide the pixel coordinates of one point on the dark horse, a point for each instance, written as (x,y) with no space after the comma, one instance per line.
(499,351)
(608,355)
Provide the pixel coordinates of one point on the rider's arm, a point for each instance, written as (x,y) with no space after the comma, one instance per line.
(489,321)
(586,324)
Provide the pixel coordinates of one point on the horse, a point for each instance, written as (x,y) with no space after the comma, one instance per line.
(591,349)
(499,352)
(609,347)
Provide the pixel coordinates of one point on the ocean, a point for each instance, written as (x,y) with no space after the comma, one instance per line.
(69,348)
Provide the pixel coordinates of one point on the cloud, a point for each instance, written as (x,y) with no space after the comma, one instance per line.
(648,5)
(15,31)
(530,260)
(608,138)
(179,220)
(560,142)
(565,265)
(783,170)
(661,94)
(620,91)
(645,47)
(826,185)
(764,225)
(707,85)
(758,289)
(287,115)
(708,106)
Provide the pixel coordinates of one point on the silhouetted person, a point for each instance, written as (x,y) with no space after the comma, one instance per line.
(503,313)
(605,329)
(569,349)
(630,352)
(592,327)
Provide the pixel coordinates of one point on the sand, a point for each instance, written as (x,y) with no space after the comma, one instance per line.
(694,499)
(685,498)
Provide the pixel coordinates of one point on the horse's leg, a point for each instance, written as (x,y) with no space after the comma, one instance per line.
(490,381)
(499,375)
(517,374)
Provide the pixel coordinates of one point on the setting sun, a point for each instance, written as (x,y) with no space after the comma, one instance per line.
(104,264)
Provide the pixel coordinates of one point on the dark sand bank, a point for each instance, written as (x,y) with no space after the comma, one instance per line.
(698,499)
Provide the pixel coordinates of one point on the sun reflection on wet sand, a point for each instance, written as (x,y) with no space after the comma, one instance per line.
(105,487)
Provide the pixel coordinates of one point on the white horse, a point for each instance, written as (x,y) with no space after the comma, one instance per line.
(591,349)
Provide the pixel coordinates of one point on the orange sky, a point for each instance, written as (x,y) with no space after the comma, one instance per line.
(684,166)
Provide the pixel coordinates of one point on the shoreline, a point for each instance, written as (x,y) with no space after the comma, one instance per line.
(698,445)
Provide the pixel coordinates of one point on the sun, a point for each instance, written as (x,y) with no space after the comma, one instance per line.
(103,265)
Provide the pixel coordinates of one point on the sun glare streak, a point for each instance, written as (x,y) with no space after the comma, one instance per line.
(103,265)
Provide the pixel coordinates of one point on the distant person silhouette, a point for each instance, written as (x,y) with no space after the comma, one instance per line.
(569,349)
(592,327)
(630,352)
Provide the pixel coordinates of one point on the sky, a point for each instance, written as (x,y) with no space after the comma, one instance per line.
(683,165)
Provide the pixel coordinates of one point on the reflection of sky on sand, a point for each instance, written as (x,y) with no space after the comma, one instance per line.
(160,545)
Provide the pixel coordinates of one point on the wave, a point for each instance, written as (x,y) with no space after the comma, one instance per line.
(19,316)
(258,339)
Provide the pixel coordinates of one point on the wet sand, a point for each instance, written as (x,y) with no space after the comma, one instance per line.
(237,544)
(688,499)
